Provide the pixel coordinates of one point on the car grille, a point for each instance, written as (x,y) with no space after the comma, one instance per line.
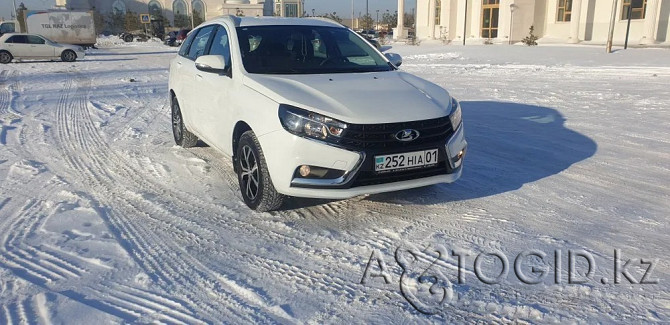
(363,137)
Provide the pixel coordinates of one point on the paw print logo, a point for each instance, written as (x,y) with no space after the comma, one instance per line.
(422,283)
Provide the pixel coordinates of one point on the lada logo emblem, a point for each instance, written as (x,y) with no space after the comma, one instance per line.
(407,135)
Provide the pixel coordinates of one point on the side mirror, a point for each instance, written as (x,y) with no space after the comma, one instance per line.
(395,59)
(211,63)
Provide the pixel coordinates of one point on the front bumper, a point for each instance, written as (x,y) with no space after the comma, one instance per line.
(285,152)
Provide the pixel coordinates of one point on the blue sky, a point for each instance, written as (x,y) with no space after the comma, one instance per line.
(342,7)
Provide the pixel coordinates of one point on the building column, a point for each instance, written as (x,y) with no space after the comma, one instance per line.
(575,19)
(650,22)
(445,20)
(460,21)
(399,33)
(431,19)
(475,16)
(504,20)
(282,8)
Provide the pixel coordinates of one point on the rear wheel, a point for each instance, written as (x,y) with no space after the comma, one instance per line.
(256,186)
(182,137)
(128,38)
(68,56)
(5,57)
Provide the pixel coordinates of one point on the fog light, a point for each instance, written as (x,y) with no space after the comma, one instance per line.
(305,170)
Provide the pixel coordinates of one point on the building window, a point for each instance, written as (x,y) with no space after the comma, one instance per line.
(564,10)
(155,8)
(119,8)
(438,12)
(291,10)
(490,13)
(181,17)
(199,10)
(636,8)
(179,7)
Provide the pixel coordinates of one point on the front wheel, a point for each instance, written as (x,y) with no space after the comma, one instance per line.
(5,57)
(68,56)
(182,137)
(256,186)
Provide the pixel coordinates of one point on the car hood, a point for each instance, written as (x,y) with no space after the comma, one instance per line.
(361,98)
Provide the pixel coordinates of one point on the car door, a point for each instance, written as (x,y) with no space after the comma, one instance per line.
(18,46)
(39,47)
(192,97)
(177,79)
(214,109)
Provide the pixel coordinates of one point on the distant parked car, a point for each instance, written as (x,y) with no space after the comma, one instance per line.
(171,38)
(372,41)
(369,33)
(181,36)
(31,46)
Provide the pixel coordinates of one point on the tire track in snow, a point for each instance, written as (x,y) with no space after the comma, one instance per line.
(15,252)
(170,264)
(74,142)
(6,95)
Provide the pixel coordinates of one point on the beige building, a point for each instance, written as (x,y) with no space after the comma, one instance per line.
(555,21)
(207,9)
(289,8)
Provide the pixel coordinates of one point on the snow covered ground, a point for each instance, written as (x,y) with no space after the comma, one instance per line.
(104,220)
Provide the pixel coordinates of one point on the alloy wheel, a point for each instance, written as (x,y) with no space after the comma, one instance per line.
(5,57)
(69,56)
(176,122)
(249,173)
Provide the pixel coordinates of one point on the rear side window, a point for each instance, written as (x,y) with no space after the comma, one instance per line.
(187,44)
(17,39)
(200,41)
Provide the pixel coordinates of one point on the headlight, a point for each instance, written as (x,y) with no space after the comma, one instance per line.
(312,125)
(455,116)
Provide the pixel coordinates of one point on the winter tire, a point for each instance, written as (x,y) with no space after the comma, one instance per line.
(68,56)
(5,57)
(182,137)
(256,186)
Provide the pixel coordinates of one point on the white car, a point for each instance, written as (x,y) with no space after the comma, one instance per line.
(31,46)
(307,108)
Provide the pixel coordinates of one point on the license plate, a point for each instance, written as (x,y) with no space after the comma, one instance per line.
(404,161)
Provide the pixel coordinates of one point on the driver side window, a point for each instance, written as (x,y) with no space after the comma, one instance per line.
(200,42)
(32,39)
(221,45)
(183,51)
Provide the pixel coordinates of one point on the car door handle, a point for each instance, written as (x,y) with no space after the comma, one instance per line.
(198,76)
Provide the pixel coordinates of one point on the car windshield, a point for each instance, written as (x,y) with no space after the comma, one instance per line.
(307,50)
